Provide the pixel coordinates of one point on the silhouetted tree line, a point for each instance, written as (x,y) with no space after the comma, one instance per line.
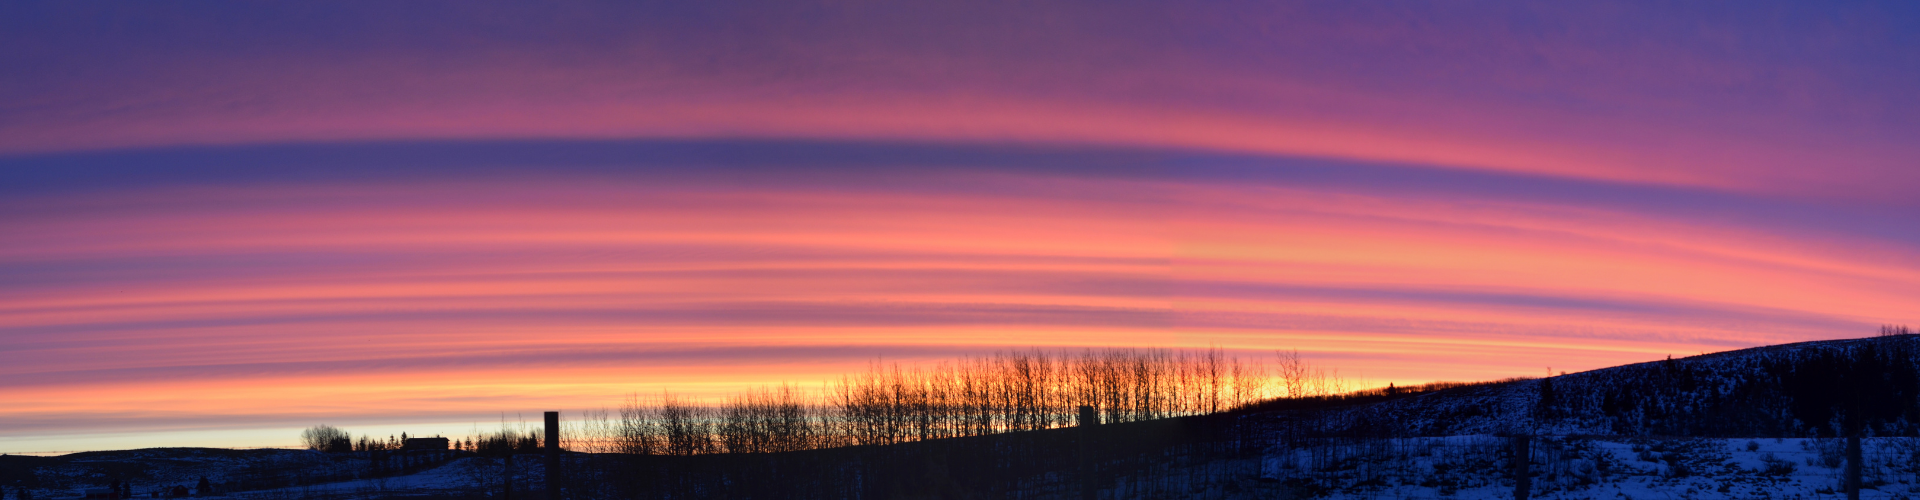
(1177,457)
(503,442)
(1000,426)
(990,427)
(370,443)
(1001,393)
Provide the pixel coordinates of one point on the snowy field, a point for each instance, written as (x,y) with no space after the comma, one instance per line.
(1472,467)
(455,478)
(242,473)
(1457,467)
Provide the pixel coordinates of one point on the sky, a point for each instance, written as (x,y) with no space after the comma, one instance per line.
(221,222)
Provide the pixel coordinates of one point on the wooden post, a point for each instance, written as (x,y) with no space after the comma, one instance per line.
(507,493)
(1089,487)
(1522,457)
(1853,467)
(553,455)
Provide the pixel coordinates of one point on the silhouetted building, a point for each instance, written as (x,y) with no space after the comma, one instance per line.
(433,444)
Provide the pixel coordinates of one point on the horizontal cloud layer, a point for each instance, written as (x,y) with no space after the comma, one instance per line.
(451,280)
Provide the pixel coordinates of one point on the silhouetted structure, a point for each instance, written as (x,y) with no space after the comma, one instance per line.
(553,455)
(1089,485)
(1853,467)
(425,444)
(1522,475)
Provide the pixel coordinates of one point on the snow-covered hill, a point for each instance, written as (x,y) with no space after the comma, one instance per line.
(1563,467)
(1792,390)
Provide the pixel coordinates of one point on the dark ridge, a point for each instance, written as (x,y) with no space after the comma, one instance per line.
(1824,388)
(1367,397)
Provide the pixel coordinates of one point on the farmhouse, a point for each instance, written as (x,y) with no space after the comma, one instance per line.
(431,444)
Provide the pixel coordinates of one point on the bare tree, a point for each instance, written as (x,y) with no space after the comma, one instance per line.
(1006,391)
(688,429)
(326,438)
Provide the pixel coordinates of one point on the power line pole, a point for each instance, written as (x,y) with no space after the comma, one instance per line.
(1853,467)
(1522,457)
(553,455)
(1088,486)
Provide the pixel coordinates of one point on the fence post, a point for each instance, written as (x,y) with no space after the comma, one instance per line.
(1088,486)
(1522,457)
(553,455)
(507,492)
(1853,467)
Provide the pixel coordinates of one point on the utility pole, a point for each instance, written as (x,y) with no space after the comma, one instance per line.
(1088,486)
(1853,466)
(1522,457)
(553,455)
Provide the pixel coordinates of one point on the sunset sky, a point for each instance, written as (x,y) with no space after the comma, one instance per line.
(222,221)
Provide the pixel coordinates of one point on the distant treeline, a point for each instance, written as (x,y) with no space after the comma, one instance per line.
(1000,393)
(332,439)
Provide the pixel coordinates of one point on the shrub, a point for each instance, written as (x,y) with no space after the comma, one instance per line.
(1774,466)
(1676,468)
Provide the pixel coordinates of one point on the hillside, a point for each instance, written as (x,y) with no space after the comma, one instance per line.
(1807,389)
